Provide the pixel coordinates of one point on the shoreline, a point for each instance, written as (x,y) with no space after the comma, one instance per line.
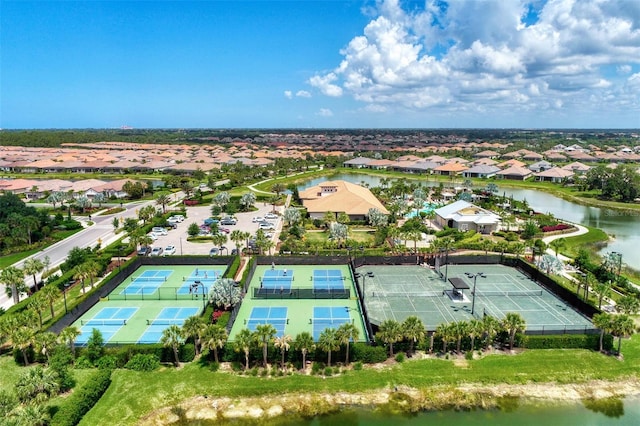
(398,400)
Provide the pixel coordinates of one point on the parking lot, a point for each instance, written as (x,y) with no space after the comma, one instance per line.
(197,214)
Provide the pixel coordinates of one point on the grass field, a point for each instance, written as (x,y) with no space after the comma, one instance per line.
(146,392)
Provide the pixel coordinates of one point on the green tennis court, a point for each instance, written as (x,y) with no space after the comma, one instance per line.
(149,301)
(293,297)
(396,292)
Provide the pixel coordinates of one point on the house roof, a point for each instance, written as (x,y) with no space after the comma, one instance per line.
(483,169)
(515,171)
(555,172)
(344,197)
(451,167)
(464,211)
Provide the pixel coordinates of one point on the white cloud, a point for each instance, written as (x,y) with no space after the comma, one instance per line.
(288,94)
(482,56)
(325,112)
(303,94)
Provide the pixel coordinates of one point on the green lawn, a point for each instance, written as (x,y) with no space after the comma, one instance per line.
(573,244)
(133,395)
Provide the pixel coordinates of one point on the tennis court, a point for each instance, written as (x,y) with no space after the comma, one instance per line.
(312,292)
(149,301)
(396,292)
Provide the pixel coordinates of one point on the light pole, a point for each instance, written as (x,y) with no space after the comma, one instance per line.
(473,293)
(364,276)
(64,295)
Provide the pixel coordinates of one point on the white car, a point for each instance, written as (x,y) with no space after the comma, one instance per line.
(257,219)
(159,230)
(267,226)
(270,216)
(156,251)
(152,235)
(176,218)
(169,250)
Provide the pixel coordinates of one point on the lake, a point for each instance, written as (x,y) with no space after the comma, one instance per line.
(623,226)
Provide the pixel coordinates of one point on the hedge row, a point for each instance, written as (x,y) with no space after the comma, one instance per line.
(124,354)
(567,341)
(82,400)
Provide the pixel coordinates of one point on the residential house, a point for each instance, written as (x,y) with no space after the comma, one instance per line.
(555,174)
(466,216)
(338,196)
(481,171)
(514,173)
(540,166)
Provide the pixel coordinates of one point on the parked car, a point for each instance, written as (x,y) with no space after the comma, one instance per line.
(214,251)
(225,230)
(210,221)
(266,226)
(152,235)
(159,230)
(271,216)
(144,251)
(228,221)
(169,250)
(257,219)
(176,218)
(156,251)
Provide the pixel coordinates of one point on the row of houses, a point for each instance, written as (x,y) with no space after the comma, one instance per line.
(38,188)
(480,168)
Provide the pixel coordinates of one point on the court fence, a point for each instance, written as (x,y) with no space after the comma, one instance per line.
(160,293)
(301,293)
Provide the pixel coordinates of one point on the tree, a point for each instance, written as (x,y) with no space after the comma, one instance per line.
(68,336)
(37,384)
(13,279)
(304,343)
(491,327)
(247,201)
(513,323)
(377,218)
(225,293)
(601,290)
(21,338)
(329,341)
(291,216)
(146,213)
(283,343)
(243,343)
(50,293)
(95,346)
(220,201)
(604,323)
(45,343)
(194,327)
(558,244)
(413,330)
(629,304)
(193,229)
(33,266)
(37,304)
(622,326)
(389,333)
(347,332)
(475,328)
(278,188)
(115,222)
(219,239)
(239,237)
(263,335)
(83,202)
(172,338)
(338,232)
(444,332)
(214,338)
(81,273)
(460,330)
(92,268)
(163,199)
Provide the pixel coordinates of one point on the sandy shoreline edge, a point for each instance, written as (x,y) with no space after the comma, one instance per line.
(401,399)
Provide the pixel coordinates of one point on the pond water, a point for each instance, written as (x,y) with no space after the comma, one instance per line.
(623,226)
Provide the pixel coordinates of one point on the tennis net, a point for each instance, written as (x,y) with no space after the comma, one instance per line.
(104,322)
(171,321)
(510,293)
(148,279)
(405,294)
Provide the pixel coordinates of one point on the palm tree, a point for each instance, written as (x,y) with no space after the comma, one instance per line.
(13,279)
(601,290)
(80,273)
(162,199)
(172,338)
(68,336)
(460,330)
(37,304)
(347,332)
(263,335)
(214,338)
(444,332)
(304,343)
(513,323)
(413,329)
(491,327)
(37,384)
(45,343)
(33,266)
(243,343)
(51,293)
(558,245)
(390,332)
(622,326)
(329,342)
(283,343)
(92,269)
(475,328)
(603,322)
(239,237)
(629,304)
(21,338)
(194,326)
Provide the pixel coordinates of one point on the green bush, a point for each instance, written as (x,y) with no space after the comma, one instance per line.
(567,341)
(316,367)
(107,362)
(368,354)
(83,363)
(82,400)
(357,366)
(328,371)
(400,357)
(142,362)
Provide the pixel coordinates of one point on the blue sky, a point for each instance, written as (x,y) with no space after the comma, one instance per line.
(320,64)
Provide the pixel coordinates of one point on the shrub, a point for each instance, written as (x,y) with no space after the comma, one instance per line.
(214,366)
(400,357)
(368,354)
(558,227)
(141,362)
(82,400)
(468,355)
(328,371)
(567,341)
(316,367)
(107,362)
(83,363)
(357,366)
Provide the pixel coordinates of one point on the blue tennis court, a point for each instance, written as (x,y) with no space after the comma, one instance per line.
(147,283)
(276,280)
(276,316)
(166,317)
(199,279)
(108,321)
(327,279)
(328,317)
